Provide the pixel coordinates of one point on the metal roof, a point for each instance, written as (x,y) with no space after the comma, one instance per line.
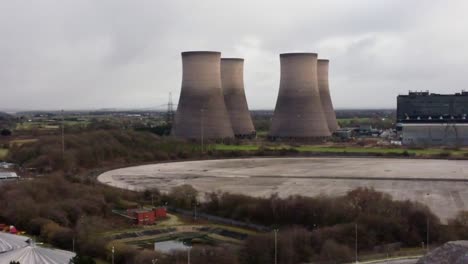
(37,255)
(8,175)
(23,250)
(10,242)
(432,124)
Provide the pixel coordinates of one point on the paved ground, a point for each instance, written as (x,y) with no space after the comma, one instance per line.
(441,184)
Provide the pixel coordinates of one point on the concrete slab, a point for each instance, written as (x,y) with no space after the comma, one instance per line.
(440,184)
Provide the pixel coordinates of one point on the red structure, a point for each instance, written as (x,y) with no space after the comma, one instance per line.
(147,216)
(13,230)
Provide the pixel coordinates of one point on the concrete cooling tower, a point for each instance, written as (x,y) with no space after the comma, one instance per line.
(325,97)
(232,80)
(298,113)
(201,110)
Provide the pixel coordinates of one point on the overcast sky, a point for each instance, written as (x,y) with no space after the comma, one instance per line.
(91,54)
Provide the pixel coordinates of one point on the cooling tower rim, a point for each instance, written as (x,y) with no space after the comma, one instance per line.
(200,52)
(232,59)
(323,60)
(290,54)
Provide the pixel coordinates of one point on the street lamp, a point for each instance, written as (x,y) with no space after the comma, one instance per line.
(427,233)
(356,242)
(195,217)
(113,254)
(188,255)
(187,244)
(202,128)
(276,245)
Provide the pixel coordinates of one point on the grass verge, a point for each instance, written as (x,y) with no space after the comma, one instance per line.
(3,153)
(343,149)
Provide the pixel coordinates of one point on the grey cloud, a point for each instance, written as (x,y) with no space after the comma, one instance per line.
(113,53)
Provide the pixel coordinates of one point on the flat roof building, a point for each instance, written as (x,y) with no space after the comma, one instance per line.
(425,107)
(8,175)
(434,134)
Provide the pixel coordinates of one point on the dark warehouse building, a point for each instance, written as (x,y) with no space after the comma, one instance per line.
(428,119)
(417,107)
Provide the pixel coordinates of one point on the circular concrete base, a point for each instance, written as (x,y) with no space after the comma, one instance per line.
(440,184)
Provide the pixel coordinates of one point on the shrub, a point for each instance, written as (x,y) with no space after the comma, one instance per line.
(333,252)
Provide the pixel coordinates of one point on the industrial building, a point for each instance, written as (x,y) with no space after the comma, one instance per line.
(33,254)
(429,119)
(201,112)
(433,134)
(325,97)
(232,80)
(23,250)
(8,175)
(298,112)
(423,107)
(10,242)
(143,216)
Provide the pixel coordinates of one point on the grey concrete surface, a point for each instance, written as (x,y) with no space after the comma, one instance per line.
(440,184)
(398,261)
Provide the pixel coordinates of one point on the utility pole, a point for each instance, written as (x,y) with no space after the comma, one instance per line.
(152,200)
(73,245)
(63,135)
(170,115)
(112,254)
(202,129)
(356,242)
(427,233)
(188,255)
(276,246)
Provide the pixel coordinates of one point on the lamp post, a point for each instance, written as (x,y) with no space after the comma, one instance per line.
(195,211)
(427,234)
(189,247)
(188,255)
(63,134)
(355,243)
(276,245)
(202,128)
(113,254)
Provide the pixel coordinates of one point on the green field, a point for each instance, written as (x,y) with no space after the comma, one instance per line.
(3,153)
(343,149)
(344,122)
